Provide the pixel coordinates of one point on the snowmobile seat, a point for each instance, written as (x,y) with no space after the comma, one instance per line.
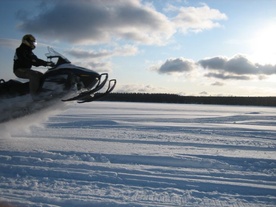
(13,87)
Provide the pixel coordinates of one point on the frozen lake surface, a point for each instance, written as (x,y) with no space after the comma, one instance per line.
(137,154)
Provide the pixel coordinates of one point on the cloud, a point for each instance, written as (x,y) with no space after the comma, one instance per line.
(96,60)
(126,50)
(97,65)
(102,21)
(217,83)
(236,68)
(84,54)
(227,76)
(203,93)
(197,19)
(99,21)
(178,65)
(267,69)
(9,43)
(138,88)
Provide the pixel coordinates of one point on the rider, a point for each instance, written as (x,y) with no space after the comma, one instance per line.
(24,59)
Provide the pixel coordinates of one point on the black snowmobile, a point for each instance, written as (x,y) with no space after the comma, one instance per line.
(61,81)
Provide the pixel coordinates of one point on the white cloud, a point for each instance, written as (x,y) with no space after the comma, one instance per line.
(98,60)
(103,21)
(203,93)
(99,21)
(217,83)
(99,66)
(84,54)
(9,43)
(138,88)
(177,65)
(237,68)
(197,19)
(126,50)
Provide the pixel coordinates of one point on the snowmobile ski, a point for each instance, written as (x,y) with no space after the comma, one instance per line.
(97,96)
(88,93)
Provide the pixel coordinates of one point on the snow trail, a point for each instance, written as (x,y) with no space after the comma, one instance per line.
(131,154)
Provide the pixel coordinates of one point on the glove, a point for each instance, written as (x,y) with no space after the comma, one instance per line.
(51,64)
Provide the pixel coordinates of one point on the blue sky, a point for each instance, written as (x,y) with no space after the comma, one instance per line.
(212,47)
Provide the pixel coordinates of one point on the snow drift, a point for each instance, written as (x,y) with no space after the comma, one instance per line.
(126,154)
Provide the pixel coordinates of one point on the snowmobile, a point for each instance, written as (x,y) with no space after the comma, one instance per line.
(61,80)
(64,81)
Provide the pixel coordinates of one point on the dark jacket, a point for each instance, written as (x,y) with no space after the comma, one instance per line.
(25,58)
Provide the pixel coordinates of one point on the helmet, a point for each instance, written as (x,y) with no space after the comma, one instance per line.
(29,40)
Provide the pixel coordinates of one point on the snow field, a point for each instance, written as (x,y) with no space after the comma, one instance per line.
(135,154)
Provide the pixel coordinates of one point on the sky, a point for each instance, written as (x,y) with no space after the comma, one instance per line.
(185,47)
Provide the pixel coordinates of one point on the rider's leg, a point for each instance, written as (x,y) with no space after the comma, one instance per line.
(33,76)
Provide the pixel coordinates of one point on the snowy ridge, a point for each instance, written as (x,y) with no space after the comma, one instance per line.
(126,154)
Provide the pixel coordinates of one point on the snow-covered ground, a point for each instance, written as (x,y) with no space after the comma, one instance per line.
(137,154)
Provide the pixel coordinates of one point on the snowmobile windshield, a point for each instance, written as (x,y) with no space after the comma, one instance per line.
(52,54)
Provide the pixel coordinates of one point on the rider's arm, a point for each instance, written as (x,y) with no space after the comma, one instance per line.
(37,62)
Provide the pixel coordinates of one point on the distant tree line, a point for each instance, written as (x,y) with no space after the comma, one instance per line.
(174,98)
